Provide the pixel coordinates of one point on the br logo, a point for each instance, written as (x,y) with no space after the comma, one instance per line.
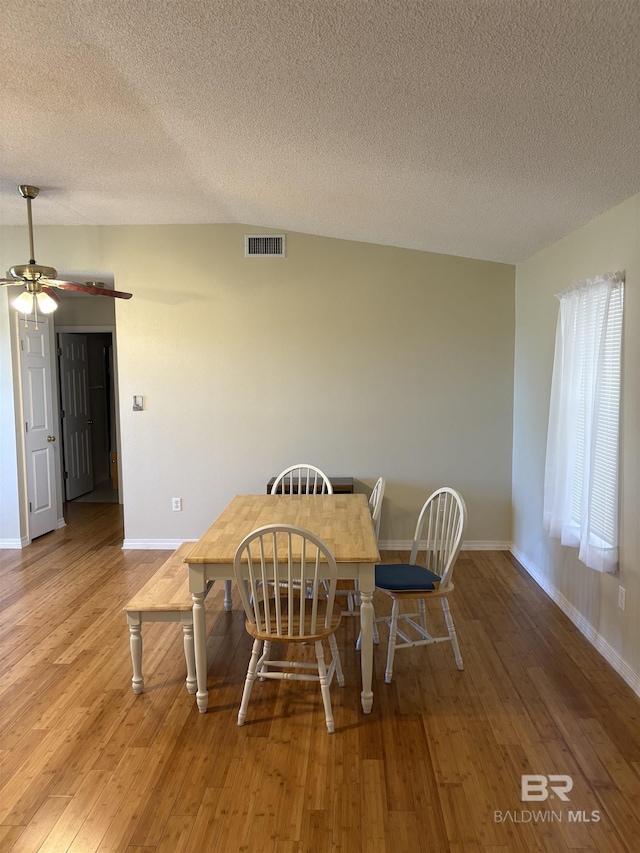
(538,787)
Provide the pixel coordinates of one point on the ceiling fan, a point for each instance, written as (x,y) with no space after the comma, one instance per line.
(39,281)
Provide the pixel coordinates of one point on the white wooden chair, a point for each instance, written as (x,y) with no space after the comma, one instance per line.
(285,559)
(302,479)
(443,519)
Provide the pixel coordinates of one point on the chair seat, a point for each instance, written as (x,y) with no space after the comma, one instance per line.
(404,577)
(273,635)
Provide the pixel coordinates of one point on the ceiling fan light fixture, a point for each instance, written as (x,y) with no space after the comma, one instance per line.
(29,300)
(46,304)
(24,302)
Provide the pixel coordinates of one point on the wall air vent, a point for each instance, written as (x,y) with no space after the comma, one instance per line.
(264,245)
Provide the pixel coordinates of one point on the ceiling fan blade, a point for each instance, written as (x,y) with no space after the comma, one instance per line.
(83,288)
(51,292)
(11,281)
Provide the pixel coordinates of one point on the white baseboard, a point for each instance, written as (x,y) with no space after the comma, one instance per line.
(6,544)
(9,544)
(469,545)
(612,657)
(153,544)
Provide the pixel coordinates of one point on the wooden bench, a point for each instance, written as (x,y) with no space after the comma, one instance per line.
(164,598)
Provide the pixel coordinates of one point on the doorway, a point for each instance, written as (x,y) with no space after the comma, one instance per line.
(78,313)
(89,415)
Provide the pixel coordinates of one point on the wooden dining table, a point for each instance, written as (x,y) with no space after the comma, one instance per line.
(342,521)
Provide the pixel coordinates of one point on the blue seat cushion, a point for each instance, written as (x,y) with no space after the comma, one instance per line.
(403,577)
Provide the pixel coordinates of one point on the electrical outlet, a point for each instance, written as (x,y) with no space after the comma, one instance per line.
(621,597)
(176,504)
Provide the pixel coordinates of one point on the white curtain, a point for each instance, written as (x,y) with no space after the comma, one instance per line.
(581,473)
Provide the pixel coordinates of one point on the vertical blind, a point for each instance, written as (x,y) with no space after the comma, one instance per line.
(581,472)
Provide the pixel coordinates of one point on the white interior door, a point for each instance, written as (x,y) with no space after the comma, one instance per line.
(76,416)
(39,433)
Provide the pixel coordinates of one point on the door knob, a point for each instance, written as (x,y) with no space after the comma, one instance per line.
(51,438)
(89,422)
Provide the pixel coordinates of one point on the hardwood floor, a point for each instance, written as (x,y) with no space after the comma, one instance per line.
(87,765)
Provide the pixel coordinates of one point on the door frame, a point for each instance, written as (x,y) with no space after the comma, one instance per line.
(14,528)
(88,330)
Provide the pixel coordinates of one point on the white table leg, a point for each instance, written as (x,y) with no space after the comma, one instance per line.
(366,648)
(135,644)
(189,653)
(227,595)
(200,648)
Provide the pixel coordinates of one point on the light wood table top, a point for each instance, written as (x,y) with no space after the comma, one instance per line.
(342,521)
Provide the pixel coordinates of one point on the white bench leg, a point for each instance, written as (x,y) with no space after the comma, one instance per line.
(189,652)
(135,643)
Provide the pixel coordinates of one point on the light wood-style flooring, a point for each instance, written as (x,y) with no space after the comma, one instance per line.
(86,765)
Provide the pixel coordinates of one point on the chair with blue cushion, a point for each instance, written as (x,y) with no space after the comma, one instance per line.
(440,527)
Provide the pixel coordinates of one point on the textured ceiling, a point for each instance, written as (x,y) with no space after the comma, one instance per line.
(482,128)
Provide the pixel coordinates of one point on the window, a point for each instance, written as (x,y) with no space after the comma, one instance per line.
(581,473)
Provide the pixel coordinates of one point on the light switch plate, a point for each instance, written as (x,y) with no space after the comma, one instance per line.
(138,402)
